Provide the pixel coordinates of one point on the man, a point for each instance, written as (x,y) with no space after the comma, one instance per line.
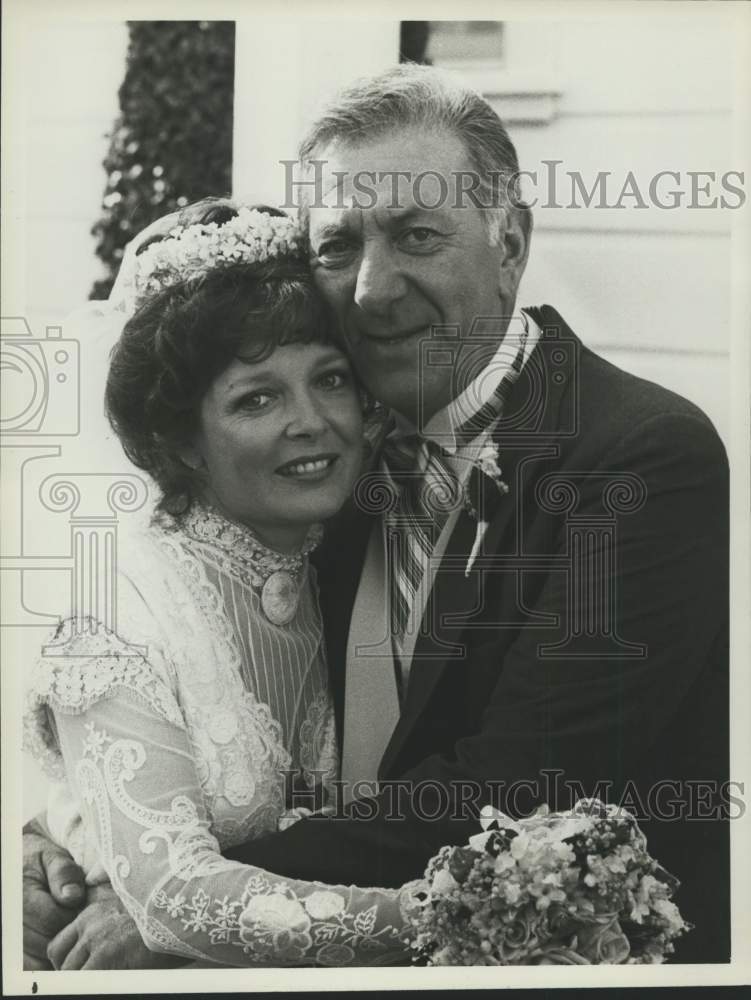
(554,624)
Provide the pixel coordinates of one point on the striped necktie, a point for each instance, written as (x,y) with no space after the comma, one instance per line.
(428,491)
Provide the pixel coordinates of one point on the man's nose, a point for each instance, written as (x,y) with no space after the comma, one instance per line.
(380,283)
(305,417)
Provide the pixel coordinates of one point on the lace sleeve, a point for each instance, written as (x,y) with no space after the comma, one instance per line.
(84,663)
(136,778)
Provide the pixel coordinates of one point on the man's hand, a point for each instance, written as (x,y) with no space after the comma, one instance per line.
(53,892)
(104,936)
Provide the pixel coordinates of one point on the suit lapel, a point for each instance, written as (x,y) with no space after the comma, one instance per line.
(339,564)
(530,419)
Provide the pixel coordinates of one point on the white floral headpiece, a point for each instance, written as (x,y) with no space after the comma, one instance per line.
(247,238)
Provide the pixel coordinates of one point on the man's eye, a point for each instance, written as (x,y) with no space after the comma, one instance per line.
(334,251)
(419,237)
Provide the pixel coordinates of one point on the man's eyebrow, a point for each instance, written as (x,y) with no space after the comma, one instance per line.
(386,218)
(396,216)
(329,229)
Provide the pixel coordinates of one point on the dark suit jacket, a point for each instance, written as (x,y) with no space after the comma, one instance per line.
(588,645)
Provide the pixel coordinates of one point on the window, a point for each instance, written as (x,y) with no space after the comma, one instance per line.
(512,63)
(450,43)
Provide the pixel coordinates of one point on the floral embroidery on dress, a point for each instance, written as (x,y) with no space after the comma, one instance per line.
(195,902)
(271,922)
(83,663)
(187,665)
(95,742)
(173,755)
(239,745)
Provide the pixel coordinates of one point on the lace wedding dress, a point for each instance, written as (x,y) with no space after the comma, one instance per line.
(177,732)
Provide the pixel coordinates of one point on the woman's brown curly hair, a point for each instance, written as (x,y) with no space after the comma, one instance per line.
(180,339)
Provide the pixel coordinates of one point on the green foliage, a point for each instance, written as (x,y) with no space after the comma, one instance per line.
(172,141)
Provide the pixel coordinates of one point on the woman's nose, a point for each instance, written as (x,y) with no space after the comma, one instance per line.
(380,283)
(306,417)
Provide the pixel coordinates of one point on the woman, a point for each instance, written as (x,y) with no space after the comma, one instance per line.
(180,731)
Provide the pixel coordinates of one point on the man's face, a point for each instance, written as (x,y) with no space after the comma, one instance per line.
(396,266)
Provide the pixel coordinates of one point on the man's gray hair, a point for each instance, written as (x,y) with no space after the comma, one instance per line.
(422,96)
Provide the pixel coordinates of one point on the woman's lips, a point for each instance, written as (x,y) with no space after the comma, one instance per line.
(311,469)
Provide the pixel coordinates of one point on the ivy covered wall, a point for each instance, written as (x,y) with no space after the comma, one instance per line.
(172,141)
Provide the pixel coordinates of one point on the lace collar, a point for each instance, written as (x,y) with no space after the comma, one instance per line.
(233,545)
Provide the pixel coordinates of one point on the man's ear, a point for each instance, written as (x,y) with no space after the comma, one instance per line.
(514,241)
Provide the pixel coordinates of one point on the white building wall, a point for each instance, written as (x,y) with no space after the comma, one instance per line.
(283,70)
(647,288)
(70,103)
(62,103)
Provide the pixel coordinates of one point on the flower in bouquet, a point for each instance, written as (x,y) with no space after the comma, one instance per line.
(576,887)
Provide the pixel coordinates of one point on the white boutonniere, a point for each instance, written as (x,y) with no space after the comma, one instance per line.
(487,462)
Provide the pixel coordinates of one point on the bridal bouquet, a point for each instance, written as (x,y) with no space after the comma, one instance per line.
(568,888)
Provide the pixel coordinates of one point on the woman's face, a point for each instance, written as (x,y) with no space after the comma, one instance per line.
(281,440)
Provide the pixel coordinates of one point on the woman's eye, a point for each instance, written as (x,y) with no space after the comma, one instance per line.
(255,401)
(334,379)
